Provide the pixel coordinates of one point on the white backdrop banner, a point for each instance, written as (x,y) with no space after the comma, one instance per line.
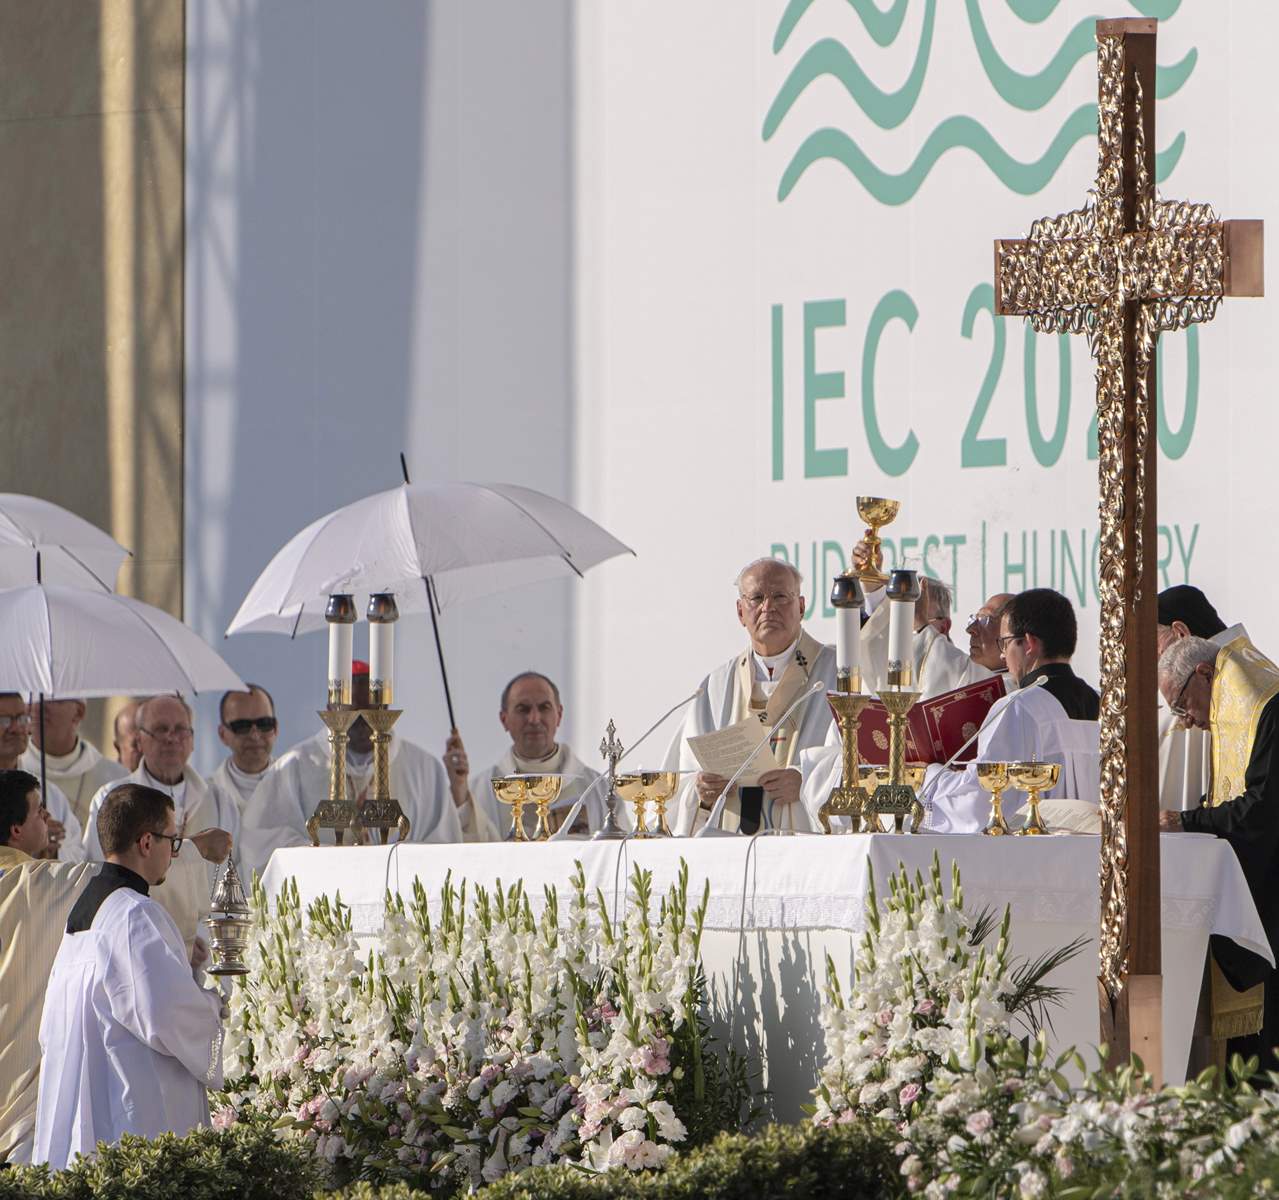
(785,221)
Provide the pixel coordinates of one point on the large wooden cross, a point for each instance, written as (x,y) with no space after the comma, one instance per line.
(1121,270)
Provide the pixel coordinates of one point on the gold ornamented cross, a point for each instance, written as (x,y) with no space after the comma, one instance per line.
(1121,270)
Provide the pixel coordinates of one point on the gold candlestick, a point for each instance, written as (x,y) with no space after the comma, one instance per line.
(337,812)
(381,811)
(876,512)
(849,799)
(896,798)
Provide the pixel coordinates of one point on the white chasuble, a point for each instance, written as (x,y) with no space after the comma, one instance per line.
(130,1041)
(297,781)
(730,693)
(79,774)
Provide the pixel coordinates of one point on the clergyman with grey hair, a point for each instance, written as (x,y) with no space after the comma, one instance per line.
(779,663)
(1233,691)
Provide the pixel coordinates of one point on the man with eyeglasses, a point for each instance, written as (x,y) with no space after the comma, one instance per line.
(1185,753)
(983,633)
(779,664)
(1051,717)
(72,763)
(248,728)
(1232,691)
(65,836)
(166,738)
(131,1041)
(35,900)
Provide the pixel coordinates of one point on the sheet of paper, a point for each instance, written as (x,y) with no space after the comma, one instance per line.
(722,752)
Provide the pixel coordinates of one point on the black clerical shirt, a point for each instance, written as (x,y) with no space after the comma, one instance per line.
(1072,693)
(112,877)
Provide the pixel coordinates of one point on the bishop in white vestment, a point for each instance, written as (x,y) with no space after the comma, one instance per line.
(780,664)
(130,1042)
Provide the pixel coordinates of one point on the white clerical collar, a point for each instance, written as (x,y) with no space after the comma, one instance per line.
(245,781)
(538,766)
(773,666)
(65,764)
(175,791)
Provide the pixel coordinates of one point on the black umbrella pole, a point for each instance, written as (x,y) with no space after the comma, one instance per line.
(439,650)
(44,790)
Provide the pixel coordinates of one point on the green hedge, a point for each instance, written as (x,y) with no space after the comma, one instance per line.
(781,1162)
(239,1164)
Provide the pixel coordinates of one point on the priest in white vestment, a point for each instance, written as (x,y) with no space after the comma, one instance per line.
(130,1042)
(781,662)
(35,900)
(124,736)
(299,780)
(531,712)
(70,762)
(1185,753)
(247,726)
(166,738)
(1052,717)
(65,837)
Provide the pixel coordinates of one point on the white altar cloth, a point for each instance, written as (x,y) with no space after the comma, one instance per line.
(778,905)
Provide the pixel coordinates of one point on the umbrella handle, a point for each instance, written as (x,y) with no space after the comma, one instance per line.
(439,649)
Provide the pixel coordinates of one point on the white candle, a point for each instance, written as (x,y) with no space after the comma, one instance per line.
(381,657)
(901,632)
(848,642)
(340,645)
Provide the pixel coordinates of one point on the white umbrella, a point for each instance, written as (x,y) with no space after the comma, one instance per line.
(430,544)
(42,542)
(60,641)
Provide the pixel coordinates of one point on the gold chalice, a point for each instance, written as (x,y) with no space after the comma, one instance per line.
(1033,778)
(659,787)
(876,512)
(543,790)
(630,786)
(513,790)
(993,777)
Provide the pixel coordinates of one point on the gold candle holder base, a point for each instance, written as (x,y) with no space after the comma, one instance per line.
(849,798)
(1033,778)
(336,812)
(381,811)
(896,798)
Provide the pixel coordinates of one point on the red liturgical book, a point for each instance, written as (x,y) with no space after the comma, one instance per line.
(935,728)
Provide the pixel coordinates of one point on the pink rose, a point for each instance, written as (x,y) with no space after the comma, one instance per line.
(909,1094)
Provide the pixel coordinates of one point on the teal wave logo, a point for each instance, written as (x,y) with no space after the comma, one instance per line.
(829,58)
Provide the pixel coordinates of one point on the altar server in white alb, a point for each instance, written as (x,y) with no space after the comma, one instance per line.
(1185,753)
(939,665)
(299,780)
(75,765)
(166,738)
(247,726)
(1052,717)
(130,1040)
(779,664)
(531,713)
(66,839)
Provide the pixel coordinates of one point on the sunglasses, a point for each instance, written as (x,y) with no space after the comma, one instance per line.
(244,724)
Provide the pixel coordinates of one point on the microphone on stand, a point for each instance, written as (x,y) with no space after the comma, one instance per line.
(562,831)
(718,810)
(927,788)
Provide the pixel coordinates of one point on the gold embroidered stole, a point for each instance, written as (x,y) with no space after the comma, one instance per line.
(1244,682)
(792,683)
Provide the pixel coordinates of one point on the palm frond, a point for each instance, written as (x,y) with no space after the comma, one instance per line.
(1032,998)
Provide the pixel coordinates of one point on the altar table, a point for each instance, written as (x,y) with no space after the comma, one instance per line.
(779,904)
